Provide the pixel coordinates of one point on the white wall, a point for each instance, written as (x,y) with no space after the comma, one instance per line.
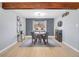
(8,32)
(70,28)
(8,27)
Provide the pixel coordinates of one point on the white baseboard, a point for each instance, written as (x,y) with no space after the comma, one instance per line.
(60,43)
(8,47)
(70,46)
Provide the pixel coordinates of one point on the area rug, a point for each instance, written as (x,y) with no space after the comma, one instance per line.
(28,43)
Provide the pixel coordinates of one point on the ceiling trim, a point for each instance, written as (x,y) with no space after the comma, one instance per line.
(40,5)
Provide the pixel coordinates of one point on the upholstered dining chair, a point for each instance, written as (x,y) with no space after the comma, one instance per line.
(34,38)
(45,38)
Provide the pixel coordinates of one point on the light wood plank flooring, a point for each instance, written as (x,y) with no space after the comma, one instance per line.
(16,51)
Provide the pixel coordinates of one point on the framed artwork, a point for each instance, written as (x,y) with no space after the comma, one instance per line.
(65,14)
(39,25)
(60,23)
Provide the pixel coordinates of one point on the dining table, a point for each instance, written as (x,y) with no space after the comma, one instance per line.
(40,35)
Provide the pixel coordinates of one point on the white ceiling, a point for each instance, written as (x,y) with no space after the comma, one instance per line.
(44,13)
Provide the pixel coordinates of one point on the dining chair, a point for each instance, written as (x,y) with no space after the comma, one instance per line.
(45,38)
(34,38)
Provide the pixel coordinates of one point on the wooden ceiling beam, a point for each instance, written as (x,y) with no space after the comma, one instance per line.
(40,5)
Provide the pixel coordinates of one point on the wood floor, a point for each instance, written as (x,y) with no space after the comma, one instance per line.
(16,51)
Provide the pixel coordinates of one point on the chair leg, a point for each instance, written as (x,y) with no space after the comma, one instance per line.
(40,40)
(44,41)
(47,40)
(32,41)
(35,41)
